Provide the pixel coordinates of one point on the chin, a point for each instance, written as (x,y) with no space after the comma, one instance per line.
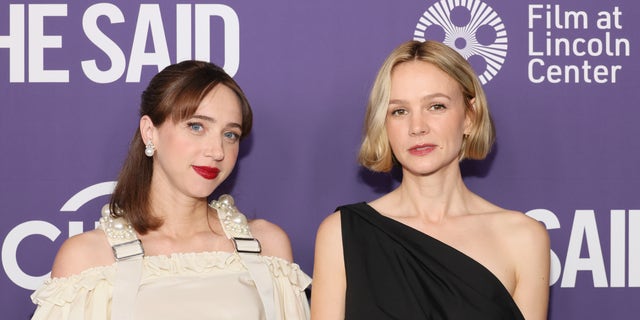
(203,192)
(420,166)
(421,170)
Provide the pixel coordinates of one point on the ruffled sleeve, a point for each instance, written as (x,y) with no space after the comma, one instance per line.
(289,282)
(83,296)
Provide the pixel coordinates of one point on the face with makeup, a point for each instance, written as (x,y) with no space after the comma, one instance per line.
(426,118)
(195,155)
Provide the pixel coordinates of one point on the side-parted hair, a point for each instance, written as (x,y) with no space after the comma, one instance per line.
(173,94)
(375,151)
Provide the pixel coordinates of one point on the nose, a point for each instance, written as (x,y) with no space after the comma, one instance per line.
(418,125)
(214,149)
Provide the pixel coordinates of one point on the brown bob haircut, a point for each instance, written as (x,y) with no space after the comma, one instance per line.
(375,151)
(173,94)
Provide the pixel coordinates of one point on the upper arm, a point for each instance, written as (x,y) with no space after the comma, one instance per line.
(532,271)
(273,240)
(81,252)
(329,279)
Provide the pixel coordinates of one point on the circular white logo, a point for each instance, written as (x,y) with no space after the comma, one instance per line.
(472,28)
(26,229)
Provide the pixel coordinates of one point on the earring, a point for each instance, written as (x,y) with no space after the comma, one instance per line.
(149,149)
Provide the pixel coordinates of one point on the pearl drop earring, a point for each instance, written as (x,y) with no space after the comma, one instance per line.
(149,149)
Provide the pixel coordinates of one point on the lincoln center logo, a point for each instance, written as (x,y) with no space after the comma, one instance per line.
(472,28)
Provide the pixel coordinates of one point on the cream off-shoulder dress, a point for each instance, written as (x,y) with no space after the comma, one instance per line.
(204,285)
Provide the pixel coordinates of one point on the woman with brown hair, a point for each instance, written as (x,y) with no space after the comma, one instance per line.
(163,252)
(431,248)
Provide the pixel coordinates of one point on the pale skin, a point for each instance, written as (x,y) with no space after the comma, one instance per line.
(425,123)
(178,194)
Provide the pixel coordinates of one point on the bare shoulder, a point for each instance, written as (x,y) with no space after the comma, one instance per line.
(510,225)
(329,278)
(328,248)
(81,252)
(331,224)
(525,237)
(329,241)
(273,239)
(527,240)
(522,228)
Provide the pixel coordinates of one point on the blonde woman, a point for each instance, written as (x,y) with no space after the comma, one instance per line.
(431,248)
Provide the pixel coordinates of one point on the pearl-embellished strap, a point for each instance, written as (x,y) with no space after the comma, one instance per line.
(236,228)
(121,235)
(128,252)
(235,225)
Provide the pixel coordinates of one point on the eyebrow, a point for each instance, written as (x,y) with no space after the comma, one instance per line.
(209,119)
(424,98)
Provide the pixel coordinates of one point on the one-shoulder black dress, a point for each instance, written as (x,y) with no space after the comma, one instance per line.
(396,272)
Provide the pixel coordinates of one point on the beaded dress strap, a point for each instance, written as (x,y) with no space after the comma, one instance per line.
(236,228)
(121,235)
(235,225)
(128,252)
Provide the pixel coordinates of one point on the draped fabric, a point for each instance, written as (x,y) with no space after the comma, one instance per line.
(396,272)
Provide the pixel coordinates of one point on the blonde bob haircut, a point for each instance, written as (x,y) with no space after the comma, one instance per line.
(375,152)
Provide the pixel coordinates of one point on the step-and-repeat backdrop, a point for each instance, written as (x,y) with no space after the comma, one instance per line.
(561,77)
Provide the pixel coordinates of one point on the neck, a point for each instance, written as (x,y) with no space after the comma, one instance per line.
(182,216)
(435,196)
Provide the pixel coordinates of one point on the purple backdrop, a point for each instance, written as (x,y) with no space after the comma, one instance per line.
(561,77)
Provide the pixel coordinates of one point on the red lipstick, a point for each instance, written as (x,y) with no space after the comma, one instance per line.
(208,173)
(421,149)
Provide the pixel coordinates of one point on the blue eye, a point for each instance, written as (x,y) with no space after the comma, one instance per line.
(195,126)
(231,136)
